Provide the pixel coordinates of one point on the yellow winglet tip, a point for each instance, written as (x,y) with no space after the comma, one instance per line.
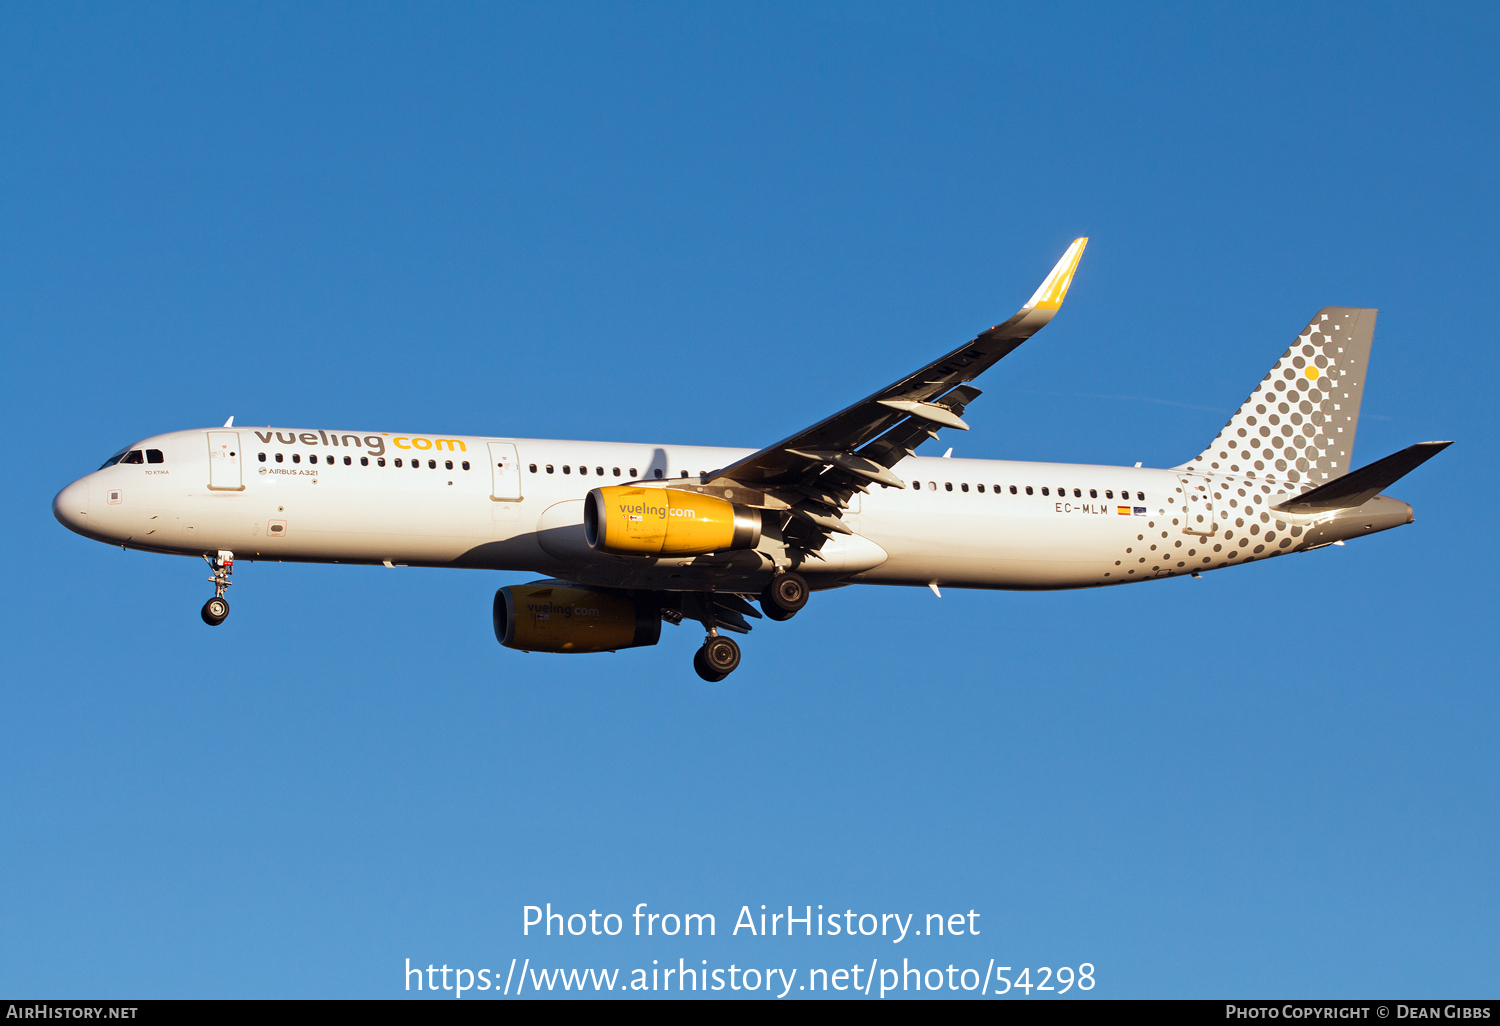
(1055,288)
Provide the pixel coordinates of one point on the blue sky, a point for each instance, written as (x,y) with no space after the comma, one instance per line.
(716,224)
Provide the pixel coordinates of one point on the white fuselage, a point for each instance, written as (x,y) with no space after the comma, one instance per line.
(959,523)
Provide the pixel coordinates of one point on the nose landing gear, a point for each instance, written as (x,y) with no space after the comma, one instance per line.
(216,610)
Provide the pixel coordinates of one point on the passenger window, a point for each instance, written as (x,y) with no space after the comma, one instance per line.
(397,461)
(583,470)
(348,461)
(567,469)
(533,468)
(134,456)
(155,456)
(1028,489)
(632,472)
(278,457)
(600,471)
(432,465)
(262,457)
(963,487)
(465,464)
(416,464)
(1093,493)
(948,485)
(684,474)
(549,468)
(447,464)
(932,485)
(658,473)
(617,471)
(296,458)
(380,461)
(981,489)
(364,461)
(1108,494)
(1012,490)
(1044,491)
(917,485)
(1141,496)
(1077,493)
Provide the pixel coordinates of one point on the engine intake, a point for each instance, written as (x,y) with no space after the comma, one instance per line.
(666,522)
(549,617)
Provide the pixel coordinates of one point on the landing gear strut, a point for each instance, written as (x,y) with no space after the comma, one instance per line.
(717,658)
(216,610)
(784,596)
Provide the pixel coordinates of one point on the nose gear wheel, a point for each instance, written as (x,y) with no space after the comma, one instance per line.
(215,610)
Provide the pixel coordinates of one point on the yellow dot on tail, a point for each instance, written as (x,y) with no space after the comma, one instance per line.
(1312,374)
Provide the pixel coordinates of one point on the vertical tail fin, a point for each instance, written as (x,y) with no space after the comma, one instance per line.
(1298,425)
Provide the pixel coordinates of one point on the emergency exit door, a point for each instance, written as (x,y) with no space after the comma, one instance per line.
(224,462)
(505,471)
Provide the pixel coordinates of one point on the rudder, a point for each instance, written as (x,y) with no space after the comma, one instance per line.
(1298,425)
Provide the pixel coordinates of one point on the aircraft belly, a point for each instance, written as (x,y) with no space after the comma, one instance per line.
(986,551)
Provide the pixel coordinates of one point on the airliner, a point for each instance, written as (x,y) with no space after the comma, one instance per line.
(628,536)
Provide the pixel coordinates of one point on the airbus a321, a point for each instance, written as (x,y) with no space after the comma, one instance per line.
(629,535)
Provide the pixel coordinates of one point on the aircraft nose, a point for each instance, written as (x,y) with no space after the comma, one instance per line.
(71,507)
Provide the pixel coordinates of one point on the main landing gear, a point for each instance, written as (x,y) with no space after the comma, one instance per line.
(719,656)
(784,596)
(216,610)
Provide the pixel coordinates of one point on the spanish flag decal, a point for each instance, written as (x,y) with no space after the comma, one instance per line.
(1124,511)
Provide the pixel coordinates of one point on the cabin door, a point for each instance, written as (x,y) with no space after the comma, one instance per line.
(505,470)
(224,461)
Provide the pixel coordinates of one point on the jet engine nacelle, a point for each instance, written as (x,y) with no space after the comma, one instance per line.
(666,522)
(551,617)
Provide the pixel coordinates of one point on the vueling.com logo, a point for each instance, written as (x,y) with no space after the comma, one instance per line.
(374,444)
(644,510)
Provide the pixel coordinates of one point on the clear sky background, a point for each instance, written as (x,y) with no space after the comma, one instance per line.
(716,224)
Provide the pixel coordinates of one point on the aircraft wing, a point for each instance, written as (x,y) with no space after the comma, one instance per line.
(816,470)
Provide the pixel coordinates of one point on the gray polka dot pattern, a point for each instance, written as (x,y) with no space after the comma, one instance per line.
(1297,427)
(1294,432)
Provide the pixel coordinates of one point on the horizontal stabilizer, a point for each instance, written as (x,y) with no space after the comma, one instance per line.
(1362,485)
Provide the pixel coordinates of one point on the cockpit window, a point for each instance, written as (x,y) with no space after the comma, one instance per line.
(155,456)
(113,459)
(133,456)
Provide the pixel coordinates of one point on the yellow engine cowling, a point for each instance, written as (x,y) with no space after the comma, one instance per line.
(551,617)
(666,522)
